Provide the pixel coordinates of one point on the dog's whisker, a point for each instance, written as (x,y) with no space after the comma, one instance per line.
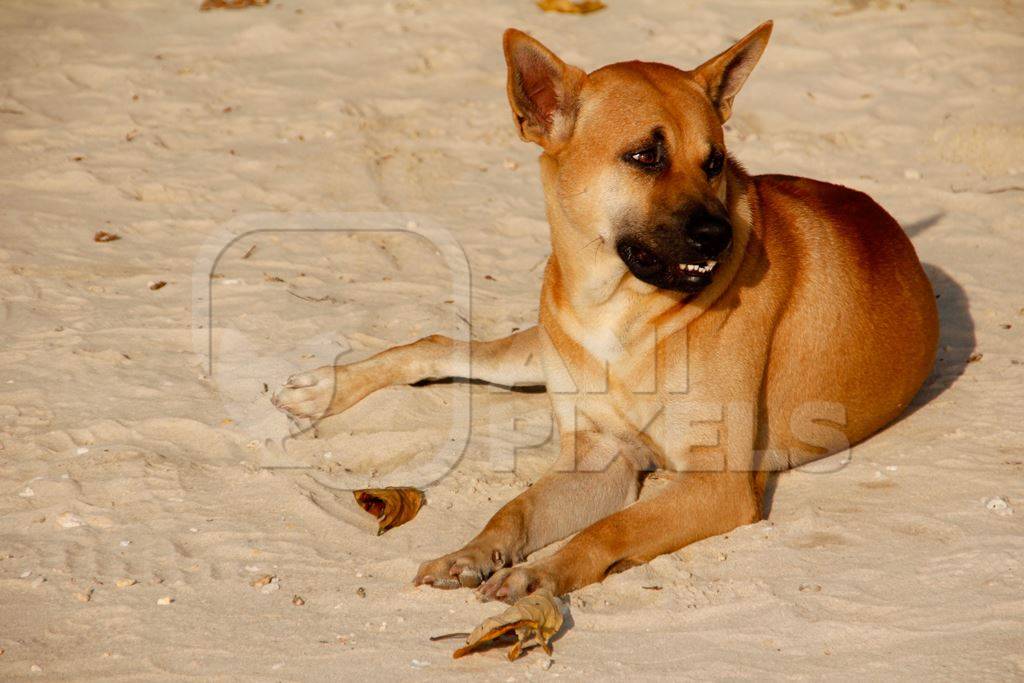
(596,239)
(574,194)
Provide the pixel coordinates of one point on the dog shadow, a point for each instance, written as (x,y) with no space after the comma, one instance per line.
(957,340)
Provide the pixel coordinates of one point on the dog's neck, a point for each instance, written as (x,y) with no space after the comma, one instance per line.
(586,274)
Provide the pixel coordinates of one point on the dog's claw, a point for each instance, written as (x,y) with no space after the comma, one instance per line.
(445,583)
(470,578)
(305,379)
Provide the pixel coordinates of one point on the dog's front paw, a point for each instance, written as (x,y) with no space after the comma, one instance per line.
(514,583)
(308,395)
(468,567)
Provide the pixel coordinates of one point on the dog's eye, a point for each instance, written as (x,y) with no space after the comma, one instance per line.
(646,157)
(714,163)
(649,158)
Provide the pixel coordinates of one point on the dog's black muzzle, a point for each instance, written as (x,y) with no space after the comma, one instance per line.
(682,254)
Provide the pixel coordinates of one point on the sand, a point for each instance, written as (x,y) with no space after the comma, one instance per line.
(142,495)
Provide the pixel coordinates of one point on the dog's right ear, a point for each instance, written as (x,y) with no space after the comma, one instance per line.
(542,89)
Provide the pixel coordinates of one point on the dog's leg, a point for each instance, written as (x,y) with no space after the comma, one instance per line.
(332,389)
(594,476)
(695,506)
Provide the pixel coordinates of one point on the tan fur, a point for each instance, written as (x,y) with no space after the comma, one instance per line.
(817,329)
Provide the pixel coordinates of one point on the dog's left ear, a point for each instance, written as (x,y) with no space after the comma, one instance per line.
(542,90)
(724,75)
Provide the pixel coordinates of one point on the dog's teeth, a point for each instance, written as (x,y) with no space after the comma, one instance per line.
(700,268)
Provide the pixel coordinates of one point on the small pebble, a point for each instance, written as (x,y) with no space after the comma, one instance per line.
(810,588)
(419,664)
(274,585)
(262,581)
(361,592)
(84,597)
(125,544)
(35,668)
(66,520)
(38,581)
(27,573)
(27,493)
(81,450)
(124,583)
(546,663)
(298,601)
(166,600)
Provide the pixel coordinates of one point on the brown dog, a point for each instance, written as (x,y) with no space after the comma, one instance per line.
(693,319)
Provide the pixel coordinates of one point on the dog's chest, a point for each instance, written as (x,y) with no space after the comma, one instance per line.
(604,367)
(606,336)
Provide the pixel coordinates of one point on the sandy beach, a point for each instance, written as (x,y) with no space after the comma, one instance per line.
(242,158)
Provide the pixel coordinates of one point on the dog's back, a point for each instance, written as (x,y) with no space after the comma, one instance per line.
(856,282)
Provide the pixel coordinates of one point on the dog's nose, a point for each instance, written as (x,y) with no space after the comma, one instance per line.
(707,233)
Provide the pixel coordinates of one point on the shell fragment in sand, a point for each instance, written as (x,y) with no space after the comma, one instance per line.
(999,505)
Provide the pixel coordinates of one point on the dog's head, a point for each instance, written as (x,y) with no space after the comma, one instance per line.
(635,152)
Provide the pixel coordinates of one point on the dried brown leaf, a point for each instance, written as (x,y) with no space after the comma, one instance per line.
(231,4)
(535,620)
(393,506)
(104,236)
(571,7)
